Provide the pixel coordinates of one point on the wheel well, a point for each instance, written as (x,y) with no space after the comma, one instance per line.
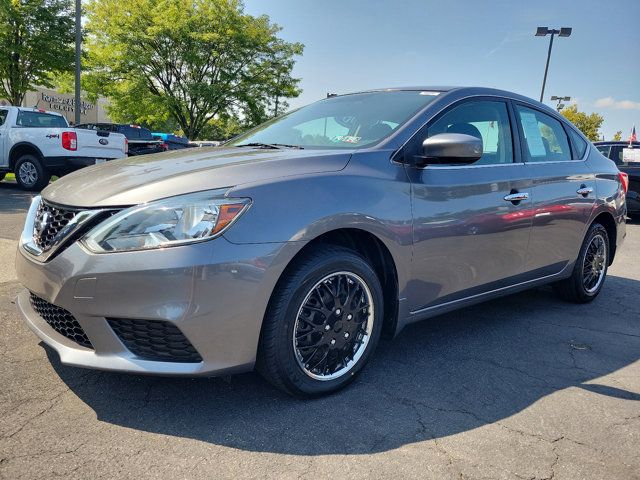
(22,149)
(606,220)
(380,259)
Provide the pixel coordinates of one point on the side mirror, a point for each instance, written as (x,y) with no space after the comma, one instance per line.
(450,148)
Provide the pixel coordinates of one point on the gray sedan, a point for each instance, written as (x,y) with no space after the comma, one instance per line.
(294,247)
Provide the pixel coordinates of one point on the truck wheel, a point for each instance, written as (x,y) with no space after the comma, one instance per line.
(30,174)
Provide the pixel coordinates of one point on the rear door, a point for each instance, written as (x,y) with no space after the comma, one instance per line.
(469,237)
(563,189)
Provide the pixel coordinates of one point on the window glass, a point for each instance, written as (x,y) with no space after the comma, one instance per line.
(3,116)
(579,144)
(486,120)
(604,149)
(349,121)
(545,138)
(616,154)
(31,119)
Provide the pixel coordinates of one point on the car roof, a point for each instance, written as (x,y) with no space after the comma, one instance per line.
(39,110)
(615,142)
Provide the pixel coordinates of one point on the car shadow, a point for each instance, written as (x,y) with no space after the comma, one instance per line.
(447,375)
(13,199)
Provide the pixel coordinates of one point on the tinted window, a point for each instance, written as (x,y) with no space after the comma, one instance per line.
(579,144)
(616,154)
(131,132)
(604,149)
(486,120)
(3,116)
(348,121)
(545,138)
(40,119)
(145,134)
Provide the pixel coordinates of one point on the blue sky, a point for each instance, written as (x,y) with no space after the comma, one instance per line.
(359,44)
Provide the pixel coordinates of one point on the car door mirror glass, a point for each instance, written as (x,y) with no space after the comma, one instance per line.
(450,148)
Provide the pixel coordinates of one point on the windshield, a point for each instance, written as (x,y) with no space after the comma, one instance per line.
(350,121)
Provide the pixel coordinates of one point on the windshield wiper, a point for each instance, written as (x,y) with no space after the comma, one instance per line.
(275,146)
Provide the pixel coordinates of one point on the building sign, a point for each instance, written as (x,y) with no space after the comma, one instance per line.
(63,104)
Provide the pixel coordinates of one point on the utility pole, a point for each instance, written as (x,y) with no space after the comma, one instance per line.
(543,32)
(78,101)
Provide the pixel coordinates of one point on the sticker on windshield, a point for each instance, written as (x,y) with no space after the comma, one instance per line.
(346,139)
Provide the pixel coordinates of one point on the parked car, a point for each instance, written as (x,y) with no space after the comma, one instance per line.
(170,141)
(141,141)
(36,144)
(296,245)
(205,143)
(615,151)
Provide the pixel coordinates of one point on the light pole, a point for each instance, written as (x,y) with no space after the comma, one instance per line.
(78,102)
(543,32)
(560,105)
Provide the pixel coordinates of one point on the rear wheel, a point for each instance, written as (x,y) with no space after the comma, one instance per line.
(322,324)
(590,269)
(30,174)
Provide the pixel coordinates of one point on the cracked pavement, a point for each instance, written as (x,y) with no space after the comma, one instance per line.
(525,387)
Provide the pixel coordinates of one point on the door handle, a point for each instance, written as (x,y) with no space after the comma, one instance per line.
(584,190)
(516,197)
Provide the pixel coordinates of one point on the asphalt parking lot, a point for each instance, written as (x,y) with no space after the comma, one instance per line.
(523,387)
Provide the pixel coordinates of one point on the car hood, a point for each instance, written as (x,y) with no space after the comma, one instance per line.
(140,179)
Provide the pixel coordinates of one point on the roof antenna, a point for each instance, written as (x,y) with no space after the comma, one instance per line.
(330,95)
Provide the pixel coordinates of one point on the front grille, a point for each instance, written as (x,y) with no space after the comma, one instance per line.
(48,222)
(154,340)
(60,320)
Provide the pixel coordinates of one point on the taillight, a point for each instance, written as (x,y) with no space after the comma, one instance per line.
(126,145)
(624,180)
(165,146)
(69,141)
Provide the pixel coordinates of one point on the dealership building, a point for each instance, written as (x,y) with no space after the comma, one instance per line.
(63,103)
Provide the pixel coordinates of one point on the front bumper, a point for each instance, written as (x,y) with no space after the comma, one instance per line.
(215,292)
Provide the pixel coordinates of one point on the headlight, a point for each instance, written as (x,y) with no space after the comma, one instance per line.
(164,223)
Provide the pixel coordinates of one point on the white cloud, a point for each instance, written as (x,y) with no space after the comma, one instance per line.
(610,102)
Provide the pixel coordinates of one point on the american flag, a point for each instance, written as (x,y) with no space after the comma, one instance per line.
(632,137)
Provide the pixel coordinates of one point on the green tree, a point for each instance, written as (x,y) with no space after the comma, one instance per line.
(589,124)
(187,62)
(618,136)
(36,41)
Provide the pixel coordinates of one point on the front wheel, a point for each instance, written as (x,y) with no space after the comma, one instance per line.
(590,269)
(30,174)
(322,324)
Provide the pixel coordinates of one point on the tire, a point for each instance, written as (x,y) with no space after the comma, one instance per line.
(30,174)
(590,270)
(304,320)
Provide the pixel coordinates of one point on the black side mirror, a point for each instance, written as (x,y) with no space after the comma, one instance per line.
(450,148)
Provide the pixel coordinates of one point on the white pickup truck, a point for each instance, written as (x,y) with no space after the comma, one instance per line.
(35,144)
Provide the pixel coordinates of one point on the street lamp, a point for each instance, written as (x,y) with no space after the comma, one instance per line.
(543,32)
(78,101)
(560,105)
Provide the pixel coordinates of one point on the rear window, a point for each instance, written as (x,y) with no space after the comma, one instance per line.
(30,119)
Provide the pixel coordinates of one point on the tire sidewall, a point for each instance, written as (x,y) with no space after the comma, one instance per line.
(297,380)
(41,180)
